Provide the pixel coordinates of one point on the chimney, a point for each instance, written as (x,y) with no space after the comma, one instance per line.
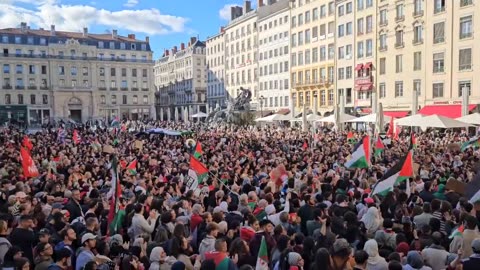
(52,30)
(131,36)
(247,6)
(147,39)
(174,50)
(85,32)
(259,3)
(167,52)
(222,30)
(114,33)
(182,46)
(193,40)
(235,12)
(23,26)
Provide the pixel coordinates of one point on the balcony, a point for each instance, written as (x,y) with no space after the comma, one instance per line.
(144,89)
(400,18)
(32,87)
(113,88)
(124,88)
(19,87)
(103,88)
(417,41)
(417,13)
(309,83)
(7,86)
(399,45)
(134,88)
(466,35)
(383,23)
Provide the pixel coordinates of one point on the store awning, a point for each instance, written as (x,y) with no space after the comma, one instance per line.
(368,65)
(359,67)
(365,87)
(366,110)
(450,111)
(396,114)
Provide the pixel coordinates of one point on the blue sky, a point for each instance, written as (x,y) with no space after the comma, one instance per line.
(166,22)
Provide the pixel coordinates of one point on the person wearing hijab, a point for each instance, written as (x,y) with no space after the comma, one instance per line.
(375,261)
(159,259)
(295,261)
(372,220)
(415,262)
(440,194)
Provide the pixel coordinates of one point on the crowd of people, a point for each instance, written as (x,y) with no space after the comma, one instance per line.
(278,188)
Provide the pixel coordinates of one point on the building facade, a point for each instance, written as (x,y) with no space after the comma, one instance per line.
(216,92)
(274,55)
(181,81)
(241,59)
(49,74)
(312,42)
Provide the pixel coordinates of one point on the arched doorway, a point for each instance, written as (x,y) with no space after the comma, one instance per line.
(75,109)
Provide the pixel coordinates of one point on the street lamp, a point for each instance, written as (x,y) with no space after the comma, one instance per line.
(261,105)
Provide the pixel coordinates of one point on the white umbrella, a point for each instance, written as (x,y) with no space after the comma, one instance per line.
(274,117)
(199,115)
(371,118)
(313,117)
(473,118)
(407,121)
(331,118)
(437,121)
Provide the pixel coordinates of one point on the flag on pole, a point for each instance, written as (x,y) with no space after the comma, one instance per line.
(390,128)
(397,174)
(198,168)
(473,142)
(115,122)
(198,150)
(29,167)
(379,147)
(361,154)
(27,143)
(262,260)
(76,138)
(115,215)
(62,133)
(132,167)
(457,232)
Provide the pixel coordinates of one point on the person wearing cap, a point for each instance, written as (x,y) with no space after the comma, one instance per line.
(473,261)
(24,237)
(43,237)
(266,229)
(86,255)
(62,260)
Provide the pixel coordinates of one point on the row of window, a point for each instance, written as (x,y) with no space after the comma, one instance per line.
(324,94)
(312,56)
(19,84)
(274,38)
(312,15)
(313,76)
(113,99)
(19,69)
(312,35)
(275,101)
(272,24)
(216,90)
(274,68)
(241,31)
(438,88)
(20,99)
(464,62)
(275,85)
(113,71)
(73,55)
(273,53)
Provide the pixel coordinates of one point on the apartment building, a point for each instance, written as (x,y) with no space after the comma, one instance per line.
(241,61)
(216,92)
(312,53)
(274,55)
(67,75)
(181,81)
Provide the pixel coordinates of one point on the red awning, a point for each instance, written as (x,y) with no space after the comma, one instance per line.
(368,65)
(450,111)
(367,110)
(396,114)
(358,88)
(359,67)
(365,87)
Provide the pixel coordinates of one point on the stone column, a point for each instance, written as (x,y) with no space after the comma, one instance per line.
(169,114)
(161,114)
(176,114)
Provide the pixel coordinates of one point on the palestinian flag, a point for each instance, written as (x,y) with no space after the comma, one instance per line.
(402,171)
(132,167)
(379,147)
(115,215)
(198,150)
(262,259)
(115,122)
(220,259)
(361,154)
(76,138)
(473,142)
(259,213)
(472,191)
(252,205)
(197,173)
(457,232)
(27,143)
(350,137)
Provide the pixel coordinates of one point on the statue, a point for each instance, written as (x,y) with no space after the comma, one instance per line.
(240,104)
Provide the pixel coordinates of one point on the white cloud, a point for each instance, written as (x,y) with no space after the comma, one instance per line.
(131,3)
(225,12)
(75,17)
